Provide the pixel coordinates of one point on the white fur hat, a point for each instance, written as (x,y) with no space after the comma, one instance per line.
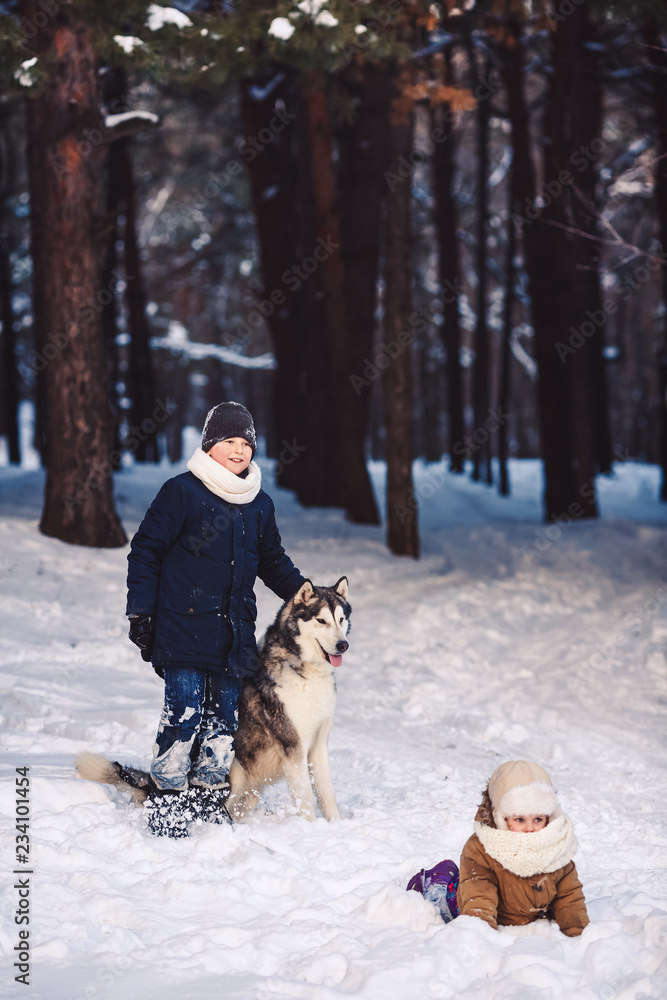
(519,788)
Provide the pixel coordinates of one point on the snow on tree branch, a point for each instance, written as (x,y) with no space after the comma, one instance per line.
(177,340)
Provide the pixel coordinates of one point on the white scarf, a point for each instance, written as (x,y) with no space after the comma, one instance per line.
(222,482)
(528,854)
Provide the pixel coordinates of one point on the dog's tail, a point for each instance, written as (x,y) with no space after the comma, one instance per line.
(95,767)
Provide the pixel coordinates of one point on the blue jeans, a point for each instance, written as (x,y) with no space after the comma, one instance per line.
(198,706)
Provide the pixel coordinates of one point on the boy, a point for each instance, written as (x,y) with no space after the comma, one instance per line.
(191,571)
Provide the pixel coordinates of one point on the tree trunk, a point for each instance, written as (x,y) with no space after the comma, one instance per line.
(140,376)
(363,159)
(448,260)
(356,492)
(282,186)
(109,312)
(581,261)
(552,288)
(543,245)
(430,395)
(505,351)
(587,123)
(10,378)
(658,57)
(271,173)
(562,394)
(114,86)
(37,168)
(402,533)
(66,222)
(481,368)
(10,371)
(320,484)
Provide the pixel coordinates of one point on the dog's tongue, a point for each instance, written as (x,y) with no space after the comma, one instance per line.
(335,660)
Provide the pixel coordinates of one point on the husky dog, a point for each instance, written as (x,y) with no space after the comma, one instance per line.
(285,713)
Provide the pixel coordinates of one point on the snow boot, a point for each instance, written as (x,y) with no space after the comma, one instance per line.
(165,811)
(438,885)
(169,813)
(208,804)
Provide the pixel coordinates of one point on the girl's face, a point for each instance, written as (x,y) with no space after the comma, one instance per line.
(233,454)
(526,824)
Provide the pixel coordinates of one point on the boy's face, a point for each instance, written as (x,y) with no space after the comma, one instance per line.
(234,454)
(526,824)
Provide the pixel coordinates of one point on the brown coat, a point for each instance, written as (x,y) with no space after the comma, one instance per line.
(489,891)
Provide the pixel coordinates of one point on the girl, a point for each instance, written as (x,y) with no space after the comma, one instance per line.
(192,567)
(517,867)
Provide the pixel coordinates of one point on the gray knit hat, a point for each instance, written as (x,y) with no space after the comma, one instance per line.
(228,420)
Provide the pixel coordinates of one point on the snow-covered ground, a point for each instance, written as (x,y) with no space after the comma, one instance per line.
(506,640)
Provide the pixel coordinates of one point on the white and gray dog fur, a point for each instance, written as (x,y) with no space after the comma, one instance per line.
(285,713)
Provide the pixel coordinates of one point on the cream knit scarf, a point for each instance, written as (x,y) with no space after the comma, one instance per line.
(224,483)
(527,854)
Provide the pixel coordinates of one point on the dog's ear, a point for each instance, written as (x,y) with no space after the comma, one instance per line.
(341,587)
(304,593)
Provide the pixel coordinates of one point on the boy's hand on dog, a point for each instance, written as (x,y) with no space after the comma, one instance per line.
(142,634)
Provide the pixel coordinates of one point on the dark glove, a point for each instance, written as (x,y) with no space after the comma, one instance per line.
(142,634)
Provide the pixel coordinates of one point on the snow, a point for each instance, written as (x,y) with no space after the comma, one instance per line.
(23,74)
(281,28)
(177,340)
(113,121)
(159,16)
(128,43)
(312,7)
(508,639)
(324,18)
(626,188)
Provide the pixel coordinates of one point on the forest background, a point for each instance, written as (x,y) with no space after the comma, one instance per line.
(393,230)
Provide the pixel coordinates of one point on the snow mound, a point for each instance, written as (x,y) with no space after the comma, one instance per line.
(509,638)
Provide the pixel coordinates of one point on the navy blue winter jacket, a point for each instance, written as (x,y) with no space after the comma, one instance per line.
(193,564)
